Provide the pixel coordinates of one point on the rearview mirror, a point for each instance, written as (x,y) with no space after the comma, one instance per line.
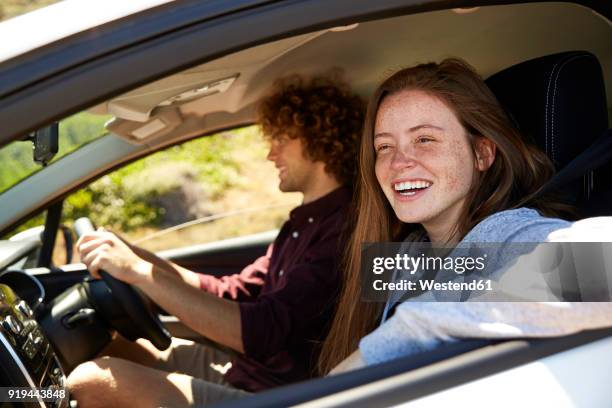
(46,143)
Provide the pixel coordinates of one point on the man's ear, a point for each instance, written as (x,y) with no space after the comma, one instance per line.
(485,153)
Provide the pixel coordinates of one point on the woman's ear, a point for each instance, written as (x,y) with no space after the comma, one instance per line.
(485,153)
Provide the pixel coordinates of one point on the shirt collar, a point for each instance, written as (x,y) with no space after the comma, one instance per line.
(321,207)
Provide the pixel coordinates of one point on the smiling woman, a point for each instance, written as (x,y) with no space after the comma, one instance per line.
(442,125)
(437,129)
(448,166)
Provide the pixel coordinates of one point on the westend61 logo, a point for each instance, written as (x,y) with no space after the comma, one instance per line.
(540,272)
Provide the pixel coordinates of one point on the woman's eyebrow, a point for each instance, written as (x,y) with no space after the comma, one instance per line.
(412,129)
(424,126)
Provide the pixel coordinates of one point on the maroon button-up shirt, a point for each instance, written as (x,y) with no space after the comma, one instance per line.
(285,322)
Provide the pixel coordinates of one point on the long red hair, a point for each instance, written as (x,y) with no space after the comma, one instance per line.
(517,174)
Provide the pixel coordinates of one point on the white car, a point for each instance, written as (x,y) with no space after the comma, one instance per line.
(167,72)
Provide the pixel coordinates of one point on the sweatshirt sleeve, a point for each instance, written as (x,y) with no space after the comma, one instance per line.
(419,326)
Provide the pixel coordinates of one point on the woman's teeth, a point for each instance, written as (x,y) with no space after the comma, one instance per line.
(410,188)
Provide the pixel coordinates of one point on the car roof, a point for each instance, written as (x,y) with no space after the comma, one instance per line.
(490,38)
(46,25)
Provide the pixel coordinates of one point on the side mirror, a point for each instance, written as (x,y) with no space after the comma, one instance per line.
(46,143)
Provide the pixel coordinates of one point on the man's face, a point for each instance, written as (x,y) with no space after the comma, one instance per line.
(295,170)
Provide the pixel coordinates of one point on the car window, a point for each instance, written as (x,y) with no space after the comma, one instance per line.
(16,161)
(212,188)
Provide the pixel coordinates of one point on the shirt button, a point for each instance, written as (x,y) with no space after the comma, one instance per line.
(295,234)
(311,220)
(281,272)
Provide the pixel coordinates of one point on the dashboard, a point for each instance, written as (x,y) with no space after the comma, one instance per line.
(27,359)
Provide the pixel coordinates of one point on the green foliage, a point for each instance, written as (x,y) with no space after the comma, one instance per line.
(128,198)
(78,130)
(16,163)
(16,159)
(107,203)
(31,223)
(208,160)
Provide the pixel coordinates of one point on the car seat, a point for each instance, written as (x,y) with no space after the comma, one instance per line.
(559,102)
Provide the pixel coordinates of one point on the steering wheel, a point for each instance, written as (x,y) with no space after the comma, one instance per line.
(132,302)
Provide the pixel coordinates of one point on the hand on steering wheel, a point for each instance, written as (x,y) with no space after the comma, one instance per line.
(105,250)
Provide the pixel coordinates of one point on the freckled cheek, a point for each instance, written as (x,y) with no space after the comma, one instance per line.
(456,179)
(381,171)
(452,183)
(454,167)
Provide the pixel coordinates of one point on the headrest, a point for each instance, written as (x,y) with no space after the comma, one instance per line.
(558,101)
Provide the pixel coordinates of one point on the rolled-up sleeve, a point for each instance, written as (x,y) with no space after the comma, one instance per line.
(279,317)
(243,286)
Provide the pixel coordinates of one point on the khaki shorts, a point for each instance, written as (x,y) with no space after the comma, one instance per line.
(206,365)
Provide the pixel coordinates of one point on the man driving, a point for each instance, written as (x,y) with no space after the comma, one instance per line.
(275,313)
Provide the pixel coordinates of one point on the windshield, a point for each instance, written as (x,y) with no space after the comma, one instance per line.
(16,158)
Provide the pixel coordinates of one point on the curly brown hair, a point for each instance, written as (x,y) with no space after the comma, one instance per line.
(321,111)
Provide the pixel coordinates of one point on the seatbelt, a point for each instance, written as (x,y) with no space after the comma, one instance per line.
(593,157)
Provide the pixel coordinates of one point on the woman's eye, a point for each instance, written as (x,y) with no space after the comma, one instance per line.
(382,147)
(424,139)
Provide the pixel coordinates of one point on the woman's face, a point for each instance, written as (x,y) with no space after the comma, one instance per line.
(424,160)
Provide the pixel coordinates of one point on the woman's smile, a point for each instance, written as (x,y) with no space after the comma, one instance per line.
(424,159)
(409,190)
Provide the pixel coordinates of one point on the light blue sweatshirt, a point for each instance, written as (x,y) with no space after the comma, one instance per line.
(418,326)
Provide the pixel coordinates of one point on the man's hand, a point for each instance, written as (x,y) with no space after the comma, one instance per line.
(215,318)
(103,250)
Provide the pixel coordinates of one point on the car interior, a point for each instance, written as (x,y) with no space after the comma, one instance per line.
(534,92)
(555,81)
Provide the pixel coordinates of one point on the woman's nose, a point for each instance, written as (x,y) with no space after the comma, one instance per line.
(402,159)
